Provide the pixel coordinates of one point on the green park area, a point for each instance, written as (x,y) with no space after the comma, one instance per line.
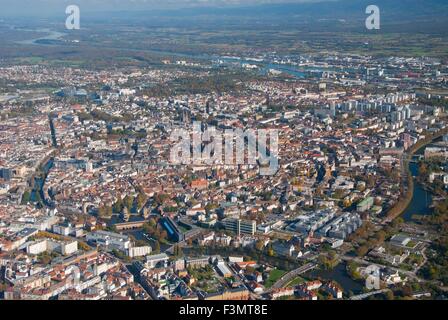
(274,276)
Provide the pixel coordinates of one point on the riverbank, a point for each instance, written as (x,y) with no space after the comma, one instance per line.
(403,204)
(421,200)
(37,181)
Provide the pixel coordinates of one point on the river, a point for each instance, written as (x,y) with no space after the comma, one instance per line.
(51,36)
(39,181)
(264,66)
(422,199)
(420,205)
(338,274)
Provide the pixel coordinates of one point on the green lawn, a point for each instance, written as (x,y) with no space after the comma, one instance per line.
(295,282)
(273,277)
(411,244)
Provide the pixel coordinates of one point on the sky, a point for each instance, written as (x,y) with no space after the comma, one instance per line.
(18,7)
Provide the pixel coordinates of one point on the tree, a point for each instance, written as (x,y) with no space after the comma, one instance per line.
(141,200)
(330,261)
(105,212)
(147,228)
(347,203)
(101,212)
(380,236)
(397,222)
(423,169)
(140,243)
(3,286)
(259,245)
(44,258)
(128,202)
(332,255)
(83,246)
(177,251)
(163,235)
(210,207)
(250,269)
(362,251)
(156,247)
(152,222)
(389,295)
(160,198)
(406,291)
(118,205)
(26,197)
(352,270)
(39,198)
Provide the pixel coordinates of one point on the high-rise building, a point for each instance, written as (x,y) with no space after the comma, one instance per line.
(445,138)
(239,226)
(248,226)
(6,174)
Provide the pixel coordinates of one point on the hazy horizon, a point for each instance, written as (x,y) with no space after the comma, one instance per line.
(51,7)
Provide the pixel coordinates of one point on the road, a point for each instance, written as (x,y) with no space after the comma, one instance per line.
(283,281)
(180,244)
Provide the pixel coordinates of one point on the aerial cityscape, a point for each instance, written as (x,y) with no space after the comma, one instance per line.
(224,150)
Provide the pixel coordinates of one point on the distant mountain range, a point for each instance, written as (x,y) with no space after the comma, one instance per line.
(407,16)
(330,9)
(396,15)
